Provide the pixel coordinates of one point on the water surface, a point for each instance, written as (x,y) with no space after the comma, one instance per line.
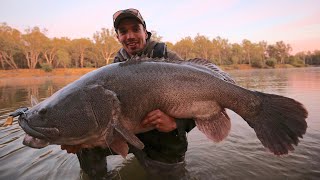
(239,156)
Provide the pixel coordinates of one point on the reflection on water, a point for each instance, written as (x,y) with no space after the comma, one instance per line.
(239,156)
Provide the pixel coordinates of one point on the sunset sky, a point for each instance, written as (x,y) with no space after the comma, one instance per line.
(296,22)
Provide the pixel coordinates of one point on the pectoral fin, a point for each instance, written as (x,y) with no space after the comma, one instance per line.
(129,136)
(120,138)
(120,146)
(215,127)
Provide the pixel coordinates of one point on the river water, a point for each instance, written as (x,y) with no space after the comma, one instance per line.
(239,156)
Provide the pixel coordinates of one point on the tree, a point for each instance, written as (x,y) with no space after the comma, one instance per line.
(272,51)
(202,46)
(236,53)
(283,51)
(106,45)
(184,47)
(32,45)
(155,36)
(220,49)
(63,58)
(315,57)
(262,50)
(9,45)
(51,48)
(169,45)
(79,48)
(279,51)
(247,48)
(63,49)
(302,56)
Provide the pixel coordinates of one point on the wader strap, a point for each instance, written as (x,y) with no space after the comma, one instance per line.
(160,50)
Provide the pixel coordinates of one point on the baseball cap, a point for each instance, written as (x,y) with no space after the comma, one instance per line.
(127,13)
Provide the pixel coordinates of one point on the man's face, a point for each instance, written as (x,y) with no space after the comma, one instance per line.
(132,35)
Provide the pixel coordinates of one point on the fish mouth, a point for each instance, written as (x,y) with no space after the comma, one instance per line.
(34,142)
(34,136)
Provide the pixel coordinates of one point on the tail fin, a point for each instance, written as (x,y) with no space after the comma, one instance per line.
(280,123)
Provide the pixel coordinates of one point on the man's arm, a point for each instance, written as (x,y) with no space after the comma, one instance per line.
(164,123)
(161,121)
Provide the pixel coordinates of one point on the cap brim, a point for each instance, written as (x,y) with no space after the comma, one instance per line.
(123,16)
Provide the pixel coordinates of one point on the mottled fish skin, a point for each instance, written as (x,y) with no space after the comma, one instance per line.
(105,107)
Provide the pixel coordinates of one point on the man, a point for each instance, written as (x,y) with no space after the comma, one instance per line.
(165,146)
(135,39)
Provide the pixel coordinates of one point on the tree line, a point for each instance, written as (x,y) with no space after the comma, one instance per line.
(33,49)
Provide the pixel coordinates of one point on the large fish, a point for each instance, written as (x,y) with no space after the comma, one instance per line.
(105,107)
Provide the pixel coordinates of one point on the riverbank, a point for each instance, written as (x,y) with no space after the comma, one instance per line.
(24,73)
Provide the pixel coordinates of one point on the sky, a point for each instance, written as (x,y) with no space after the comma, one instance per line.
(296,22)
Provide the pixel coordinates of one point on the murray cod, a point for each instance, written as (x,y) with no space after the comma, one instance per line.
(106,106)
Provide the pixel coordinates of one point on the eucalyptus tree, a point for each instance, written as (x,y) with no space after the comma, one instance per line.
(221,49)
(279,51)
(51,48)
(315,57)
(106,44)
(236,53)
(202,46)
(9,46)
(302,56)
(79,48)
(184,47)
(262,50)
(33,43)
(283,51)
(63,53)
(248,47)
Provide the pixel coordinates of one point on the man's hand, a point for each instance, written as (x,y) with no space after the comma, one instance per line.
(71,148)
(161,121)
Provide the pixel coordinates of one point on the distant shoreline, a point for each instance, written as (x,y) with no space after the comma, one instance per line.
(24,73)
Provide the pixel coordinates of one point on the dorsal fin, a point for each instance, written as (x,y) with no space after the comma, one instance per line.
(202,64)
(142,58)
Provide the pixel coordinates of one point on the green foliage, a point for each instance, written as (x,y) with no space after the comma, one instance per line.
(105,47)
(89,65)
(9,46)
(257,64)
(235,59)
(63,58)
(296,61)
(184,48)
(46,67)
(314,58)
(271,62)
(26,50)
(33,44)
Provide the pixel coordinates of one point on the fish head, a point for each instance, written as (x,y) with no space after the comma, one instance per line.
(65,118)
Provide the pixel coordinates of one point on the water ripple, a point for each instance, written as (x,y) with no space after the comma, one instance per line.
(240,156)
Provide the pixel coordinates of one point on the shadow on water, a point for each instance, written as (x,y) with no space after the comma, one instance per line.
(239,156)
